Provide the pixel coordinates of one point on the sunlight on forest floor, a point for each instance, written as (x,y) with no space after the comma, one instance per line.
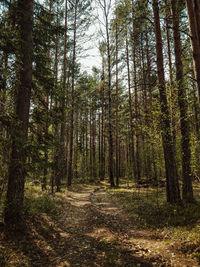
(94,225)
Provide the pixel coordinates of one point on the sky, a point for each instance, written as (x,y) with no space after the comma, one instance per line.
(91,57)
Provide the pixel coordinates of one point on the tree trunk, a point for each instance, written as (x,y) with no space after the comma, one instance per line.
(138,174)
(63,163)
(46,127)
(94,173)
(132,150)
(182,100)
(192,10)
(102,163)
(171,85)
(146,137)
(117,107)
(110,130)
(150,117)
(71,140)
(75,165)
(17,167)
(172,187)
(56,172)
(86,145)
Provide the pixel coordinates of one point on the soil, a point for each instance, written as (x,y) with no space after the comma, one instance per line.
(92,231)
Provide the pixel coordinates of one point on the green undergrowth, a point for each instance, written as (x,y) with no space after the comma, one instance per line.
(149,210)
(149,207)
(37,202)
(42,211)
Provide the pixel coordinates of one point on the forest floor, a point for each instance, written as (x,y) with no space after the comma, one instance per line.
(91,228)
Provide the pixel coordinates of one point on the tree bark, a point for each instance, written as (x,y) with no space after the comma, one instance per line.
(56,172)
(63,163)
(110,130)
(102,163)
(137,160)
(117,106)
(172,186)
(17,168)
(71,140)
(194,26)
(187,193)
(171,85)
(132,149)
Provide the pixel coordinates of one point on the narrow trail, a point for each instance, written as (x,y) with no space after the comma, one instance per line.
(102,234)
(95,231)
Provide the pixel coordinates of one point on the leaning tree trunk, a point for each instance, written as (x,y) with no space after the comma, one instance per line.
(172,187)
(17,168)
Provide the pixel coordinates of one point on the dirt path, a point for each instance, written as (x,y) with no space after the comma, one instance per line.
(94,231)
(101,234)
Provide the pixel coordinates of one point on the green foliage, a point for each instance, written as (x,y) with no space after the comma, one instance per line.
(197,256)
(36,202)
(149,207)
(177,225)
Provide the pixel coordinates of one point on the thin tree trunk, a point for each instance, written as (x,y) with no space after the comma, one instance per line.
(63,163)
(91,158)
(172,92)
(46,129)
(94,173)
(132,150)
(86,145)
(70,173)
(150,117)
(102,164)
(56,173)
(110,130)
(138,174)
(146,142)
(117,106)
(76,146)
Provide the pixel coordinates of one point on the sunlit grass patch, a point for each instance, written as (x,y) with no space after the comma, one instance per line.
(37,201)
(178,225)
(149,207)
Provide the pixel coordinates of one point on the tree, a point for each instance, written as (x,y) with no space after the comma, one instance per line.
(17,166)
(106,7)
(172,187)
(69,181)
(193,8)
(182,99)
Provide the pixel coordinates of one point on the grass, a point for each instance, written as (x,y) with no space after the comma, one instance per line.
(37,202)
(42,211)
(175,224)
(178,225)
